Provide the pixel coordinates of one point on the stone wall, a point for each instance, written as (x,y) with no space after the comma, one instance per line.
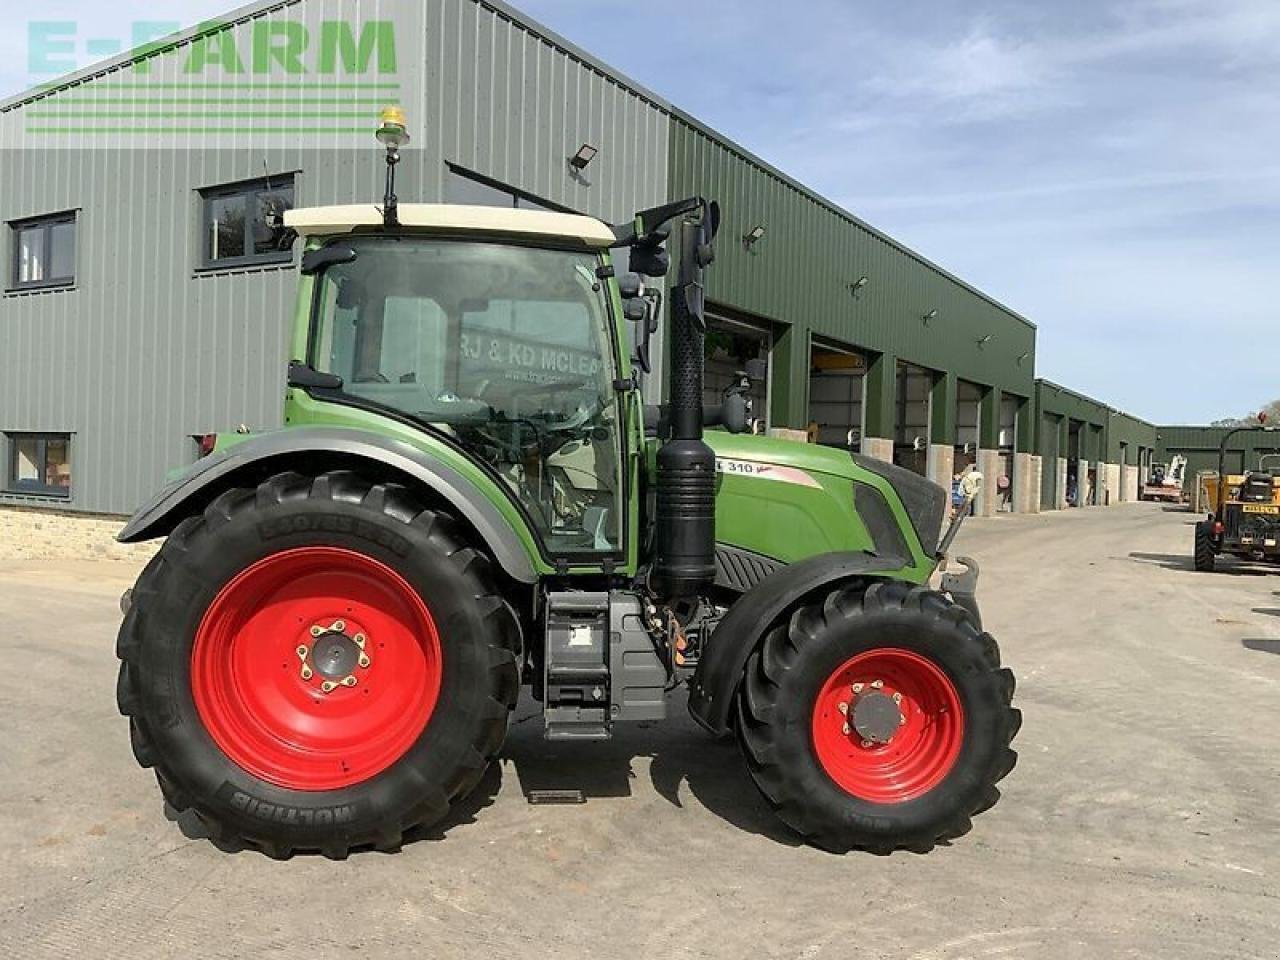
(1026,483)
(989,466)
(33,533)
(1128,483)
(878,447)
(1112,486)
(942,458)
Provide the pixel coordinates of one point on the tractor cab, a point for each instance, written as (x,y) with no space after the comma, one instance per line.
(493,330)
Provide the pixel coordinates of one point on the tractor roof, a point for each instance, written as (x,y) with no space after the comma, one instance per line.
(314,221)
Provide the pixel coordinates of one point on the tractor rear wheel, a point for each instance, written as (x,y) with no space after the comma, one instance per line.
(879,718)
(1205,559)
(317,664)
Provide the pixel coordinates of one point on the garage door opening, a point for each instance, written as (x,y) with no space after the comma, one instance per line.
(1006,441)
(729,345)
(968,424)
(1076,483)
(1051,452)
(837,384)
(914,389)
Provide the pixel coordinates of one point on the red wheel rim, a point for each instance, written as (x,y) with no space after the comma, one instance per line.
(343,712)
(907,756)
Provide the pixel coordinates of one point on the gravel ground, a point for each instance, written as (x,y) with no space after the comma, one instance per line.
(1140,821)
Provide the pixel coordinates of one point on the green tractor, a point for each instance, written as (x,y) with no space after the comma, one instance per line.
(469,496)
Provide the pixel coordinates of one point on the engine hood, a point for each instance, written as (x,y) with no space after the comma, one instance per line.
(789,501)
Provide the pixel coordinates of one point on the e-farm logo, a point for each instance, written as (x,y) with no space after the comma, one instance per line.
(268,77)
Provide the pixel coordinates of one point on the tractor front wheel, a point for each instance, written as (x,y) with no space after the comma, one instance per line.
(318,664)
(879,718)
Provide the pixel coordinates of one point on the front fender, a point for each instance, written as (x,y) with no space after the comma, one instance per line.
(725,653)
(282,449)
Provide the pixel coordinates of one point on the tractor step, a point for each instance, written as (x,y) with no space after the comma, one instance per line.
(577,666)
(600,665)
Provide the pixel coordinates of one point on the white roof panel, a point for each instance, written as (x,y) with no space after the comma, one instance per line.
(314,221)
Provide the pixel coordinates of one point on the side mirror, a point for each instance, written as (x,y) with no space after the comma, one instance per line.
(320,259)
(733,413)
(650,260)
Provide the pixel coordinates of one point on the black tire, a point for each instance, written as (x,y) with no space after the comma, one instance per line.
(783,679)
(1205,557)
(479,638)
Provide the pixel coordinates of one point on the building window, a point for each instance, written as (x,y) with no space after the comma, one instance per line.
(472,189)
(40,464)
(244,223)
(44,252)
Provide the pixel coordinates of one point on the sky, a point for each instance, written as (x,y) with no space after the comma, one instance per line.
(1110,170)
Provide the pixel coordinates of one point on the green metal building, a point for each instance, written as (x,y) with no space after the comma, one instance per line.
(1200,445)
(869,346)
(1089,454)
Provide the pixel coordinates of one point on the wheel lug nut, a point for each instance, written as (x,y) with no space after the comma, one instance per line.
(327,686)
(302,651)
(857,688)
(877,684)
(339,626)
(867,744)
(897,698)
(842,707)
(364,661)
(845,729)
(306,672)
(317,631)
(902,719)
(348,681)
(358,640)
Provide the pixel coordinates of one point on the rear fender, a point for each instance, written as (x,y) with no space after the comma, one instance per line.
(328,448)
(725,653)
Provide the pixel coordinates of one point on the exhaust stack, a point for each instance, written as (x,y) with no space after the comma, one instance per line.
(686,487)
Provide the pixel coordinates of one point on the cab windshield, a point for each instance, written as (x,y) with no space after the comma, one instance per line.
(506,350)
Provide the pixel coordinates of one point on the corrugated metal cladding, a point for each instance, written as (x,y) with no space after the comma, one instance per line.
(1058,406)
(146,352)
(800,273)
(1200,446)
(1137,435)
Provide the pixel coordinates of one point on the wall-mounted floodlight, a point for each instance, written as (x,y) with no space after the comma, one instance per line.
(753,236)
(1023,357)
(983,341)
(857,285)
(580,160)
(931,315)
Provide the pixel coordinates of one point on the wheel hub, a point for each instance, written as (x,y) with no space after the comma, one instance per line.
(876,717)
(336,652)
(335,655)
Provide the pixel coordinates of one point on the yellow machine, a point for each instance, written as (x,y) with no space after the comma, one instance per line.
(1245,521)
